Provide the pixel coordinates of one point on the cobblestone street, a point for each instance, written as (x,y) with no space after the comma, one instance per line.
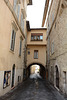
(33,89)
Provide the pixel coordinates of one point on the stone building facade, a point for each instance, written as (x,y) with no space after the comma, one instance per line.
(12,43)
(57,44)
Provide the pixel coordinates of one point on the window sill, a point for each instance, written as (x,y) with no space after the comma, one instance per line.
(35,58)
(11,51)
(19,56)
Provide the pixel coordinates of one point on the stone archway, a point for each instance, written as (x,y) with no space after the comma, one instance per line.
(42,70)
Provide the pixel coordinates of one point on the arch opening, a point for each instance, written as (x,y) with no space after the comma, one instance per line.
(36,68)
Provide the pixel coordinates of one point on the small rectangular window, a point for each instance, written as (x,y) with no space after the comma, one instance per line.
(13,40)
(41,37)
(20,47)
(35,37)
(35,54)
(15,2)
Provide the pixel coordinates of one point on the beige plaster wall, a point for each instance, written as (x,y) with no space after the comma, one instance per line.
(8,57)
(29,42)
(41,55)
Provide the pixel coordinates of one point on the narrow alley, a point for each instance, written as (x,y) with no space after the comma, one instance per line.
(34,89)
(33,49)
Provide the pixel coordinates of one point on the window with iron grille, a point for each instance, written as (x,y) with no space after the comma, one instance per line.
(35,54)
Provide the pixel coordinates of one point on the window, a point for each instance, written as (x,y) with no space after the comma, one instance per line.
(52,48)
(41,37)
(32,37)
(35,54)
(17,7)
(13,40)
(18,11)
(20,47)
(7,75)
(22,22)
(36,36)
(64,77)
(15,2)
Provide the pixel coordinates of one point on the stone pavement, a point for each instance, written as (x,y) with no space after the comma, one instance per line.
(33,89)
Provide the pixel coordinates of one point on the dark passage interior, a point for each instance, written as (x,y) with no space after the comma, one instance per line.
(36,68)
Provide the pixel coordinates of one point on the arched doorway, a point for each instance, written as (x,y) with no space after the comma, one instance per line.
(42,71)
(13,75)
(57,77)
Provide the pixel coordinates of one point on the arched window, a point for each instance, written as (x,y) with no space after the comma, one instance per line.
(57,77)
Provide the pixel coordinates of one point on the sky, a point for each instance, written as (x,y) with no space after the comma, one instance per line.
(35,13)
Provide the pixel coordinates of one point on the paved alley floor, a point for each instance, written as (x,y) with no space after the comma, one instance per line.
(34,89)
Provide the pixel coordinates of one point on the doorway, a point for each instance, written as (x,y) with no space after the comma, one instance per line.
(57,77)
(13,75)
